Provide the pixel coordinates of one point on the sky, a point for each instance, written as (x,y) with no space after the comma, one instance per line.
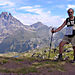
(49,12)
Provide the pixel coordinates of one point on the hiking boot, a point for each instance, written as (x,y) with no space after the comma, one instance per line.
(59,59)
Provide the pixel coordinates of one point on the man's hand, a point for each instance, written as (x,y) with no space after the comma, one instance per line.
(53,31)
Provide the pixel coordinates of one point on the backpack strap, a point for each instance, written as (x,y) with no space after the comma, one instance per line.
(74,19)
(67,20)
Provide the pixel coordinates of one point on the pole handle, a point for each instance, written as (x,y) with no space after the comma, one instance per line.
(52,29)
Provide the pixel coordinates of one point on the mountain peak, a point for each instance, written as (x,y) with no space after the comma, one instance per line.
(5,15)
(36,25)
(40,23)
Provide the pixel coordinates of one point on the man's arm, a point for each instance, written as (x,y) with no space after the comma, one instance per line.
(59,28)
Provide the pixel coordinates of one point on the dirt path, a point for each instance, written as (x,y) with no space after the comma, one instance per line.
(35,67)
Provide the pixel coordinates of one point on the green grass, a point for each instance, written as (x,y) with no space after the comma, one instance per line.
(19,60)
(3,61)
(24,70)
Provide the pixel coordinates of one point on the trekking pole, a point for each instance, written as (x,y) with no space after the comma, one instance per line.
(50,44)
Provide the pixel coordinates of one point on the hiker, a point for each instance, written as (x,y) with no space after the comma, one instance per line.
(69,37)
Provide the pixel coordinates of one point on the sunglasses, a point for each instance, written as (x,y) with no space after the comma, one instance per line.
(70,12)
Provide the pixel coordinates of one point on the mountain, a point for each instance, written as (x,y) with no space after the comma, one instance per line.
(37,25)
(8,25)
(17,37)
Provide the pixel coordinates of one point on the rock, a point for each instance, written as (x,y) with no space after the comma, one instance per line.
(68,50)
(66,58)
(33,54)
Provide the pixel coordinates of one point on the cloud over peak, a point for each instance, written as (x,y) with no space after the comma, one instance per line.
(8,3)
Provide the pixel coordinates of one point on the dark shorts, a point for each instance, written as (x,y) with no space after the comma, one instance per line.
(69,39)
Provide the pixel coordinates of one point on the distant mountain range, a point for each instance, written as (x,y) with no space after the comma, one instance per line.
(17,37)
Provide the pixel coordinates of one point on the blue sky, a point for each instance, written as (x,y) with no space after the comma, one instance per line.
(49,12)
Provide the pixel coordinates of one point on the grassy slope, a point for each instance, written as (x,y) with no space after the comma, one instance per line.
(34,63)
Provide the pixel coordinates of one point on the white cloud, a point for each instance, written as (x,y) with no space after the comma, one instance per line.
(7,6)
(30,7)
(45,18)
(37,11)
(26,7)
(34,9)
(70,6)
(42,16)
(6,3)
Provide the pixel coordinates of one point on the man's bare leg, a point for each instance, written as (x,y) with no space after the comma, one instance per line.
(62,43)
